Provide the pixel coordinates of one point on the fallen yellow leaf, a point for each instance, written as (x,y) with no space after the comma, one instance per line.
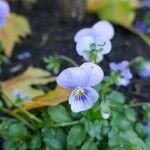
(16,26)
(52,98)
(24,82)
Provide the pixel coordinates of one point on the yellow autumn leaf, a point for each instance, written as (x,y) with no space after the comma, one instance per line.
(52,98)
(16,26)
(24,82)
(117,11)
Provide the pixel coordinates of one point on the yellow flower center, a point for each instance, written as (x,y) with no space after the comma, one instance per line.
(79,93)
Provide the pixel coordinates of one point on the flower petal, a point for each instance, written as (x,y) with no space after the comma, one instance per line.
(104,28)
(4,9)
(113,66)
(81,33)
(123,65)
(123,82)
(72,77)
(145,72)
(104,44)
(126,74)
(95,73)
(84,44)
(81,103)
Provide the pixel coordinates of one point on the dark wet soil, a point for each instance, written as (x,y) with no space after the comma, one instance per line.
(53,35)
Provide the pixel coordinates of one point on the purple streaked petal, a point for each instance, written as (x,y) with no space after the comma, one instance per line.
(103,28)
(84,102)
(4,9)
(84,44)
(81,33)
(102,43)
(94,72)
(72,77)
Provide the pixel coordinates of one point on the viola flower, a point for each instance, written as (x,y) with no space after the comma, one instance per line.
(92,43)
(24,55)
(145,70)
(81,79)
(19,95)
(124,73)
(4,12)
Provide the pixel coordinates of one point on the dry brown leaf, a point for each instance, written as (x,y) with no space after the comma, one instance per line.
(17,26)
(23,82)
(52,98)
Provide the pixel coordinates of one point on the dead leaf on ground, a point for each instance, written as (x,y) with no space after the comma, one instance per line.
(16,26)
(52,98)
(23,82)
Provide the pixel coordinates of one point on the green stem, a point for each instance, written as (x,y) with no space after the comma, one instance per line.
(29,115)
(66,124)
(69,60)
(17,117)
(135,105)
(22,109)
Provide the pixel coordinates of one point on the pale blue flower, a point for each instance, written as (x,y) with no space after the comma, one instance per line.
(4,11)
(24,55)
(93,46)
(124,72)
(81,79)
(92,43)
(145,70)
(20,95)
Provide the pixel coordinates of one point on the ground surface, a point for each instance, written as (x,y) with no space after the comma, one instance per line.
(54,35)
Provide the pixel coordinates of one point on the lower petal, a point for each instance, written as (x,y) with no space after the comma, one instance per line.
(84,102)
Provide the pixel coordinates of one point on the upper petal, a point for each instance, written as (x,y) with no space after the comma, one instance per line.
(123,65)
(81,33)
(84,44)
(104,28)
(95,73)
(72,77)
(84,102)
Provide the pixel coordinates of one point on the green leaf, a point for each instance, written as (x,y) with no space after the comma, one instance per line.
(59,114)
(35,142)
(89,145)
(17,131)
(75,137)
(94,129)
(54,139)
(9,145)
(147,143)
(115,98)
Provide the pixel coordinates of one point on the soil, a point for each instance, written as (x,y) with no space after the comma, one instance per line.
(53,35)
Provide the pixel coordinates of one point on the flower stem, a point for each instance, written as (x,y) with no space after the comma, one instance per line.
(22,109)
(66,124)
(29,115)
(69,60)
(17,117)
(135,105)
